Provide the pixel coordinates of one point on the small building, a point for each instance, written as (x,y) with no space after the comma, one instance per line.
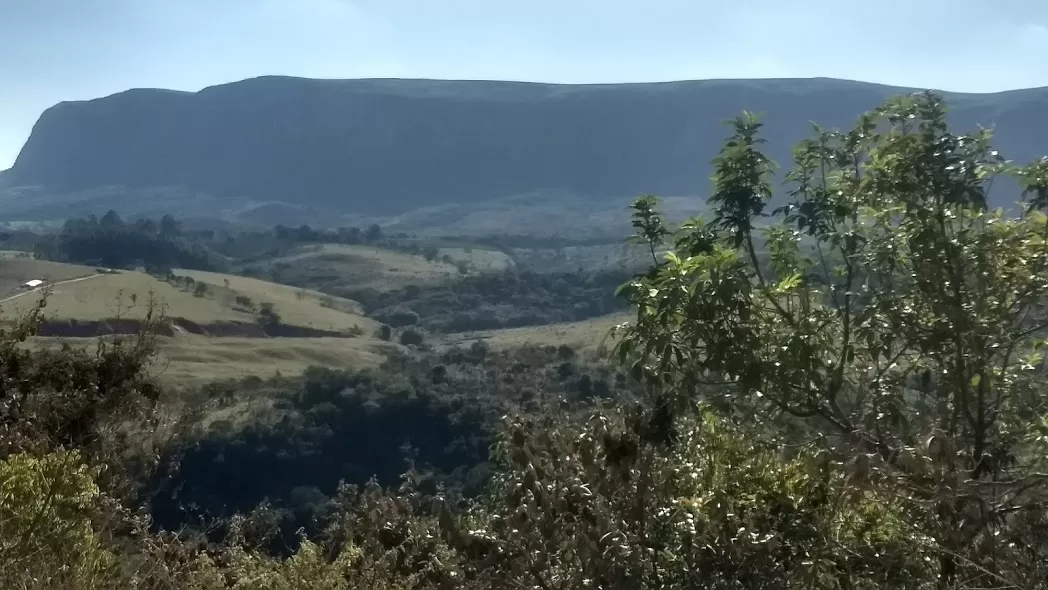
(33,284)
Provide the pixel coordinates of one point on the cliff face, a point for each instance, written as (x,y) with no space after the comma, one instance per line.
(385,146)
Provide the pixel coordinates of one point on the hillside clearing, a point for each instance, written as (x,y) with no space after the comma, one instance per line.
(14,272)
(338,267)
(187,360)
(126,295)
(587,335)
(483,260)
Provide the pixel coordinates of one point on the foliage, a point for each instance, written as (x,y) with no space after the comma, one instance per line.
(440,410)
(268,316)
(46,509)
(110,242)
(411,337)
(898,320)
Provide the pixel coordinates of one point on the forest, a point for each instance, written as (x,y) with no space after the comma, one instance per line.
(844,392)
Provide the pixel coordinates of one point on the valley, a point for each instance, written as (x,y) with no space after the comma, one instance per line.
(337,341)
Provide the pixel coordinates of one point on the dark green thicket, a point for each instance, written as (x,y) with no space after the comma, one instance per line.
(438,410)
(112,243)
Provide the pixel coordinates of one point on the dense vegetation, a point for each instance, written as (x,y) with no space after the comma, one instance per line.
(882,426)
(112,243)
(330,425)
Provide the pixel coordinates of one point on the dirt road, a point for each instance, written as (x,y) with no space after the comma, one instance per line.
(44,286)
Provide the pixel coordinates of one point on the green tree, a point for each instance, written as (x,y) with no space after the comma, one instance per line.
(887,313)
(111,221)
(373,233)
(268,316)
(169,227)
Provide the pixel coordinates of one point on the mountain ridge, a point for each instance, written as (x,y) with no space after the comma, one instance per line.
(392,145)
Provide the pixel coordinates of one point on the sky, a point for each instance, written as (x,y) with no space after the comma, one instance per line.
(57,50)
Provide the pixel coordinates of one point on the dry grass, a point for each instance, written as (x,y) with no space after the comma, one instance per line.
(297,307)
(14,272)
(192,360)
(16,254)
(360,267)
(479,259)
(126,295)
(586,336)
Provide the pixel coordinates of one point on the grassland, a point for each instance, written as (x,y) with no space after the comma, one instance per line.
(84,294)
(127,293)
(187,359)
(297,307)
(14,272)
(478,259)
(338,267)
(586,336)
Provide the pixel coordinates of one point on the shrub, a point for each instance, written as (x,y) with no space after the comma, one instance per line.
(411,337)
(385,332)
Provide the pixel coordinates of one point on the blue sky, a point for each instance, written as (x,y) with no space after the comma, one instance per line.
(54,50)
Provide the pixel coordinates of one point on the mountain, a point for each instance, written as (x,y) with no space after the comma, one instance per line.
(388,147)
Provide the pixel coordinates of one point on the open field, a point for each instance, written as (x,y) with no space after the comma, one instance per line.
(127,293)
(345,267)
(586,336)
(483,260)
(15,254)
(16,271)
(189,360)
(297,307)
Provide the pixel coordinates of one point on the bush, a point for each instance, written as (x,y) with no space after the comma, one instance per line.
(385,332)
(411,338)
(268,316)
(47,505)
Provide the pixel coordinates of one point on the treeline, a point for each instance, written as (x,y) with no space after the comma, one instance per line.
(489,301)
(157,245)
(258,246)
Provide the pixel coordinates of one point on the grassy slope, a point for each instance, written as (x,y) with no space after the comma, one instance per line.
(297,307)
(479,259)
(126,294)
(189,360)
(16,271)
(587,335)
(359,267)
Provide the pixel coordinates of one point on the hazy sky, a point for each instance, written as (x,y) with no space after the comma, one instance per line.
(54,50)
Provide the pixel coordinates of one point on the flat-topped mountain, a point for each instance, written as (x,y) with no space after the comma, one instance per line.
(390,146)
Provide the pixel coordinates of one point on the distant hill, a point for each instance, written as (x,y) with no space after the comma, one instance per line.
(387,147)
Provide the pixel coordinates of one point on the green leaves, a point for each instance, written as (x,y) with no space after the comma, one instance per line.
(741,180)
(888,302)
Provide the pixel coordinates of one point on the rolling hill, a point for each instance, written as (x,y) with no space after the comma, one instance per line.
(213,336)
(84,302)
(389,147)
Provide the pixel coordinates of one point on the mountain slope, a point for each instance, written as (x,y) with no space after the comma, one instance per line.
(390,146)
